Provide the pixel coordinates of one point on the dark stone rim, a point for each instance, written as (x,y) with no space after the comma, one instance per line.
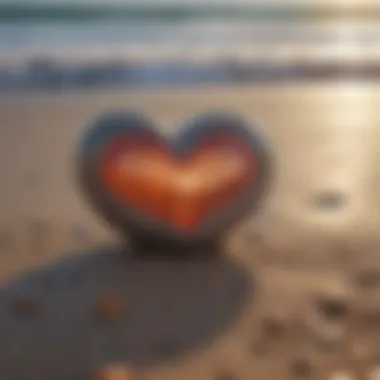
(94,141)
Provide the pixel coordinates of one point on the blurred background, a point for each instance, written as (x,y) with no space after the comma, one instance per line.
(304,76)
(56,44)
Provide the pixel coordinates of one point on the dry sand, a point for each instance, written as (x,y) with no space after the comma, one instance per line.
(317,228)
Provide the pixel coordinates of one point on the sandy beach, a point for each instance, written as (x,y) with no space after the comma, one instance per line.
(322,139)
(318,222)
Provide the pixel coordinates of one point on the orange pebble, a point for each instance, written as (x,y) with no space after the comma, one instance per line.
(110,309)
(115,372)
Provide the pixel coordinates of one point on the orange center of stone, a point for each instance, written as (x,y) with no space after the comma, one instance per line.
(182,192)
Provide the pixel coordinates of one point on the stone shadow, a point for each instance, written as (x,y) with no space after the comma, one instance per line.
(66,320)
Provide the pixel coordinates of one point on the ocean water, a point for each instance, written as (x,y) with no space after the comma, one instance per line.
(66,46)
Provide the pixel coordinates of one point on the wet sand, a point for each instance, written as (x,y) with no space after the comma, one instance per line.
(317,228)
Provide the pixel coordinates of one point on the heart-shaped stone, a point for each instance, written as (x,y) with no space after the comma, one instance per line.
(187,189)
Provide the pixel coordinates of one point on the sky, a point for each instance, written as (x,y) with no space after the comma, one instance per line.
(330,3)
(132,1)
(344,3)
(126,2)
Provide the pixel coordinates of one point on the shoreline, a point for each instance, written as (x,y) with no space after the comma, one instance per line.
(281,52)
(96,80)
(147,93)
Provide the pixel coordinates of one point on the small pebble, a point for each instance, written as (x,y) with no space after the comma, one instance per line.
(368,279)
(224,375)
(110,309)
(24,305)
(333,309)
(330,200)
(273,327)
(301,368)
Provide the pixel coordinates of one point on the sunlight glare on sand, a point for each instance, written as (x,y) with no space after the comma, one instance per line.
(374,373)
(342,376)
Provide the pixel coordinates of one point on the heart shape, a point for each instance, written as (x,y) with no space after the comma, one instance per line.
(188,189)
